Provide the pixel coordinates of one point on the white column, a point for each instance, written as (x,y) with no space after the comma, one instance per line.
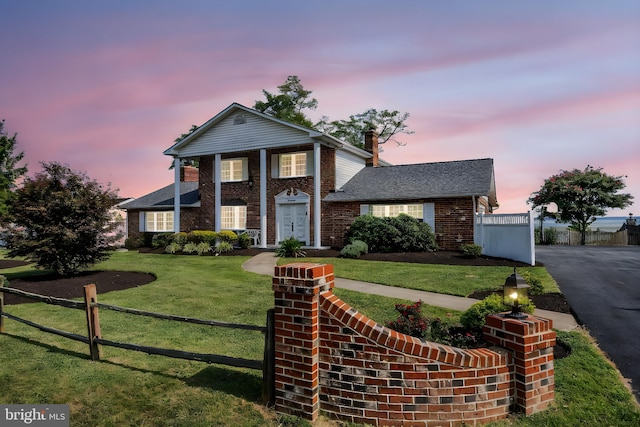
(217,187)
(176,195)
(317,195)
(263,198)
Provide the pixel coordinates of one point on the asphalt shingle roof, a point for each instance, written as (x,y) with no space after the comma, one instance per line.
(420,181)
(163,198)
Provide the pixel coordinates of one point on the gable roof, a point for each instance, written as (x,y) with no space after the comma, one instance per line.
(220,135)
(162,199)
(420,181)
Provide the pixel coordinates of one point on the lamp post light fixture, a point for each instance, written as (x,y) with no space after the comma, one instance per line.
(515,292)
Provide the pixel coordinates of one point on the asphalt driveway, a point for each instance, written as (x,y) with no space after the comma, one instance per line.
(602,285)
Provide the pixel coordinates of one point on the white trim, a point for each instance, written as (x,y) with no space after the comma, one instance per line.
(317,192)
(263,198)
(217,185)
(176,195)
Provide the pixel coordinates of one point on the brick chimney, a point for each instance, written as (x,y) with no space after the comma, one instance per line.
(189,174)
(371,145)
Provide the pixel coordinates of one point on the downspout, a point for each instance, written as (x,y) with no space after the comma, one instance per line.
(176,194)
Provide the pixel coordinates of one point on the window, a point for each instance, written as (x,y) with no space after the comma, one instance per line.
(233,217)
(232,170)
(159,221)
(415,211)
(292,165)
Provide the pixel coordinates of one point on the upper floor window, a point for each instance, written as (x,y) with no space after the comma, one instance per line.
(232,170)
(293,164)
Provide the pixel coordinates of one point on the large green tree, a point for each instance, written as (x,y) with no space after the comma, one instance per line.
(581,196)
(293,101)
(61,220)
(289,104)
(9,171)
(386,123)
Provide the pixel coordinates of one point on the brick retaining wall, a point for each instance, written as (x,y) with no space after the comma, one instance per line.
(332,358)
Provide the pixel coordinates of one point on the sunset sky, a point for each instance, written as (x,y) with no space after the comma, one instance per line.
(539,86)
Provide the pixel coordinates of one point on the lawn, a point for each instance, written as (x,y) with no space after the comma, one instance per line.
(129,388)
(458,280)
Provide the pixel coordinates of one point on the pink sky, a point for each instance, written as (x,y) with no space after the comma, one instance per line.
(537,86)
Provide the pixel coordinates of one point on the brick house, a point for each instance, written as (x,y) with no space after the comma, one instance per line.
(278,179)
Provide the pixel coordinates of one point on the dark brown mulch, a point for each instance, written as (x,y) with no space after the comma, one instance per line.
(71,287)
(438,257)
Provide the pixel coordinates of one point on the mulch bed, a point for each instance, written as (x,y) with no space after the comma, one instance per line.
(107,281)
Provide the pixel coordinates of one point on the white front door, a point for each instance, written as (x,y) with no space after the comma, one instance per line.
(294,222)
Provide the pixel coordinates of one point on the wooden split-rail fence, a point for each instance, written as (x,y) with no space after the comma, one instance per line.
(95,341)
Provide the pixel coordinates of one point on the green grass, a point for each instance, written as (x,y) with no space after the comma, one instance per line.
(444,279)
(129,388)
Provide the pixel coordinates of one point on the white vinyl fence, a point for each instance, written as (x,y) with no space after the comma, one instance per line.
(506,236)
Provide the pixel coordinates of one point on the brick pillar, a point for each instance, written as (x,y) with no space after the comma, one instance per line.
(297,338)
(531,340)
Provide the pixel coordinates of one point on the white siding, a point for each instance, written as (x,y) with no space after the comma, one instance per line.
(256,133)
(347,165)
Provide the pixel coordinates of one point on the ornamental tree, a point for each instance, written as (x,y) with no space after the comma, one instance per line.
(61,220)
(581,196)
(9,171)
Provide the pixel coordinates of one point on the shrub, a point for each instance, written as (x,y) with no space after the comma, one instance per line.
(203,236)
(471,250)
(354,249)
(290,248)
(223,248)
(180,238)
(550,236)
(147,239)
(410,320)
(133,242)
(473,319)
(228,236)
(536,286)
(172,248)
(203,248)
(244,241)
(398,234)
(161,240)
(190,248)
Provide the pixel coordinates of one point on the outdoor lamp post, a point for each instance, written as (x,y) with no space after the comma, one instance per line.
(515,292)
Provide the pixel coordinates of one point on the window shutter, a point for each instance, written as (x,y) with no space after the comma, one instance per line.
(245,169)
(310,163)
(364,209)
(429,215)
(275,162)
(213,172)
(142,226)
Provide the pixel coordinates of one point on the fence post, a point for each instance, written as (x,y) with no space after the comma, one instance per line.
(269,361)
(93,321)
(1,311)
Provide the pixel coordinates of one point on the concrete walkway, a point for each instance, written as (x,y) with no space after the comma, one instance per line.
(264,263)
